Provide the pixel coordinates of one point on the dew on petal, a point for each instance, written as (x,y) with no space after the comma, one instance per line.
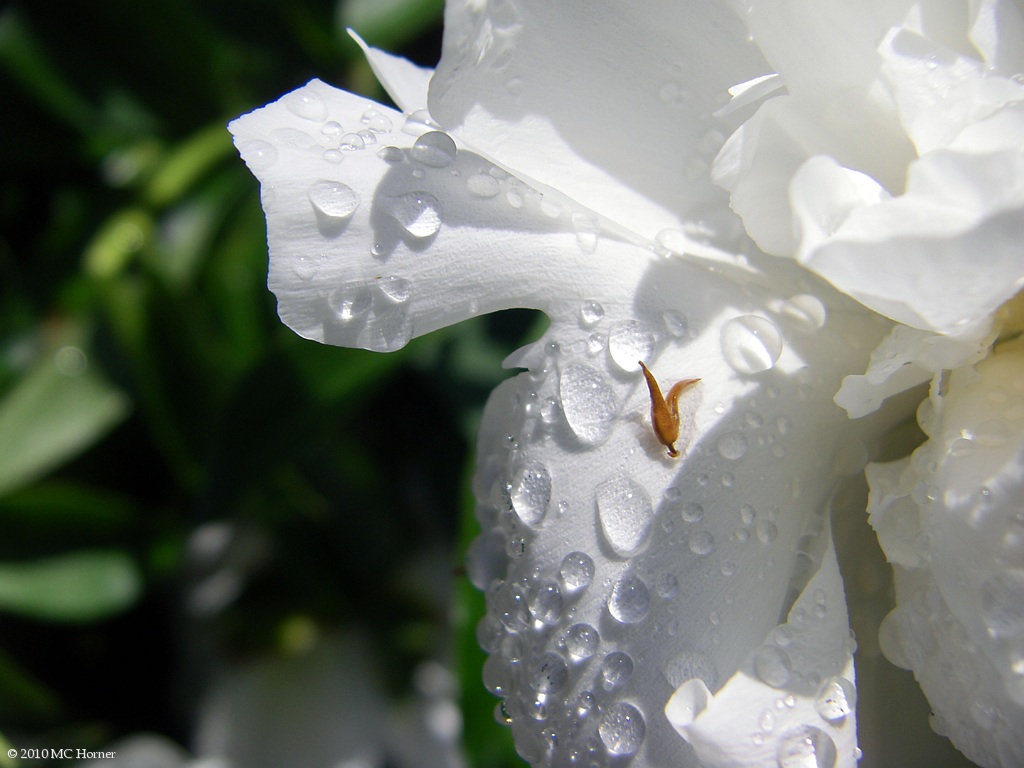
(531,493)
(806,312)
(350,301)
(577,570)
(333,200)
(591,312)
(675,323)
(333,156)
(630,600)
(836,699)
(581,641)
(692,512)
(1002,603)
(548,674)
(352,142)
(379,123)
(588,403)
(389,331)
(625,511)
(806,747)
(395,289)
(258,154)
(622,729)
(702,543)
(418,122)
(616,669)
(672,240)
(391,155)
(483,185)
(628,342)
(545,603)
(766,531)
(667,585)
(751,344)
(305,104)
(419,213)
(587,229)
(772,666)
(732,446)
(435,149)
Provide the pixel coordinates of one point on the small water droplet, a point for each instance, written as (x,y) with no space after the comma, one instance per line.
(622,729)
(805,311)
(806,747)
(352,142)
(258,154)
(585,703)
(549,410)
(305,104)
(546,603)
(588,230)
(625,511)
(395,289)
(350,301)
(577,570)
(435,149)
(333,200)
(766,531)
(514,198)
(675,323)
(483,185)
(550,208)
(333,156)
(418,122)
(368,137)
(531,493)
(836,699)
(581,641)
(751,344)
(591,312)
(391,155)
(692,512)
(628,342)
(548,674)
(629,600)
(667,585)
(616,669)
(747,514)
(672,240)
(732,446)
(702,543)
(772,666)
(1002,603)
(588,403)
(419,213)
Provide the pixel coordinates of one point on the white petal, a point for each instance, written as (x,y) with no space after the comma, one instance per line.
(405,82)
(613,110)
(950,518)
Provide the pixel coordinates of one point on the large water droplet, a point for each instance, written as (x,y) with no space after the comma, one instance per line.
(1002,603)
(577,570)
(588,403)
(419,213)
(350,301)
(772,665)
(333,200)
(805,311)
(629,600)
(836,699)
(531,493)
(581,641)
(628,342)
(806,747)
(395,289)
(435,149)
(625,512)
(390,330)
(616,669)
(483,185)
(305,104)
(622,729)
(548,674)
(751,344)
(546,603)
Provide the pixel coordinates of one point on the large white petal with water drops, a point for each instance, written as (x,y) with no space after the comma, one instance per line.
(949,519)
(614,574)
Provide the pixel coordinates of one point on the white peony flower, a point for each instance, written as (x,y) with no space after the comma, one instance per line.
(690,610)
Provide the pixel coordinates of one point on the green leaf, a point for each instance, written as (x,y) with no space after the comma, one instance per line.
(57,410)
(76,587)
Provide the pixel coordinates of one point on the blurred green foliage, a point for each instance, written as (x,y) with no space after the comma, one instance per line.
(151,401)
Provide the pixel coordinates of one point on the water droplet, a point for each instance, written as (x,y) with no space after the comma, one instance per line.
(548,674)
(1002,603)
(628,342)
(546,603)
(805,311)
(418,122)
(390,330)
(588,403)
(585,703)
(350,301)
(514,198)
(806,747)
(549,410)
(772,665)
(332,128)
(766,531)
(629,600)
(702,543)
(692,512)
(531,493)
(836,699)
(395,289)
(588,230)
(747,514)
(483,185)
(550,208)
(333,156)
(672,240)
(622,729)
(435,149)
(581,641)
(368,137)
(258,154)
(305,104)
(391,155)
(732,446)
(352,142)
(419,213)
(577,570)
(333,200)
(675,323)
(625,512)
(293,137)
(591,312)
(616,669)
(378,123)
(667,585)
(751,344)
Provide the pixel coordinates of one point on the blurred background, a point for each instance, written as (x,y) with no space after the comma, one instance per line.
(217,540)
